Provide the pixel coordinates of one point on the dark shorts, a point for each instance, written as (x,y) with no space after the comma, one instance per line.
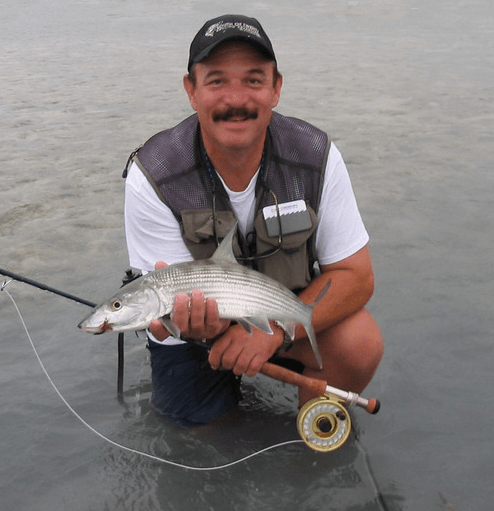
(185,388)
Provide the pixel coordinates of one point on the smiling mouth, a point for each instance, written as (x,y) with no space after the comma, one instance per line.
(235,115)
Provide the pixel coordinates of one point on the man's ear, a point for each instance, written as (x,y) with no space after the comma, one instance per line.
(190,89)
(277,89)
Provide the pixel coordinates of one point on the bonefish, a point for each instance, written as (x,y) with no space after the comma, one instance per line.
(244,295)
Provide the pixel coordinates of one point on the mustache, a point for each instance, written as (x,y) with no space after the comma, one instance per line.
(231,113)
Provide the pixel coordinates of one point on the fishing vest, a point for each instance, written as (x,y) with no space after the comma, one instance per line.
(295,156)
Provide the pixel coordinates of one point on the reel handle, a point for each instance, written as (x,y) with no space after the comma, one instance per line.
(318,387)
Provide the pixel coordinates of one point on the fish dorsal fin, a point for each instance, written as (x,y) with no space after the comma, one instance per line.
(225,251)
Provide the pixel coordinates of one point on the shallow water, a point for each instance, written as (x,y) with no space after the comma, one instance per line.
(405,89)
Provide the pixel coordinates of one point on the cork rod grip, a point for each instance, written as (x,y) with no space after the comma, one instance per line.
(318,387)
(315,386)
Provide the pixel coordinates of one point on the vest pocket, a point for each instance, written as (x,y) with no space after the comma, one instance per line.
(290,265)
(198,231)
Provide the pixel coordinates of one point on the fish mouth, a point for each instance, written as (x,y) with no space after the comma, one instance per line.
(104,327)
(101,329)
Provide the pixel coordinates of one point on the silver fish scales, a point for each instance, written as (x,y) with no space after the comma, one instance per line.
(242,294)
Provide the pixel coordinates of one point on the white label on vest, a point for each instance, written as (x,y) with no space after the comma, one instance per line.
(294,217)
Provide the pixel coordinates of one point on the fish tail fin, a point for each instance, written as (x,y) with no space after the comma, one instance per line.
(313,342)
(289,327)
(308,325)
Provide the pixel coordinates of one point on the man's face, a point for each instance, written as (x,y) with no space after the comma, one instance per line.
(234,94)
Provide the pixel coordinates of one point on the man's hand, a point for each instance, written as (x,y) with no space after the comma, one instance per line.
(245,353)
(236,349)
(195,316)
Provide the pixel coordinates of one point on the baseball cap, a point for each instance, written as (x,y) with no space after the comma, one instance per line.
(226,28)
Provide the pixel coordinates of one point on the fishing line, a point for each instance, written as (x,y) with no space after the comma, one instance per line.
(360,447)
(116,444)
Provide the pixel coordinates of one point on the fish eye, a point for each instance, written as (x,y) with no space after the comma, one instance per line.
(116,305)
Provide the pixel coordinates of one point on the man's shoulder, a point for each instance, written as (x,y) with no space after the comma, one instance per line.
(187,126)
(171,147)
(279,120)
(171,143)
(302,138)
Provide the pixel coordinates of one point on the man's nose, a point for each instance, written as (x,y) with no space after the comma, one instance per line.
(236,95)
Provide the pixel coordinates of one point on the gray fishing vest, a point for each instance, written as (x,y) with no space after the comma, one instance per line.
(295,158)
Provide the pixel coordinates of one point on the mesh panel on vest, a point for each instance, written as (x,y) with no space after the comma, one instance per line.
(298,155)
(170,160)
(295,162)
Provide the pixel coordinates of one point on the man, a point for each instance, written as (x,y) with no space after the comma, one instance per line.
(237,160)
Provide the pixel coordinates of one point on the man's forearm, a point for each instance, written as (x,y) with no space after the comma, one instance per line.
(352,285)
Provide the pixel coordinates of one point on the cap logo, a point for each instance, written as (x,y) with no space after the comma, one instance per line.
(221,27)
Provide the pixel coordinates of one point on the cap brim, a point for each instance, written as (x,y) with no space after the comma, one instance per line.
(204,54)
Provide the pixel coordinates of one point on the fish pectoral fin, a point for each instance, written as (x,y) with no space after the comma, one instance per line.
(260,322)
(170,326)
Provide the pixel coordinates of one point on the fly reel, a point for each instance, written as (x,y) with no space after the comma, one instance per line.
(324,423)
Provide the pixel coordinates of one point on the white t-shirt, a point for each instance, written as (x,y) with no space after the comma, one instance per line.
(153,233)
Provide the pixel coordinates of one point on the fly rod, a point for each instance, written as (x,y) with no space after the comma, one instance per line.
(319,387)
(323,422)
(44,287)
(50,289)
(316,386)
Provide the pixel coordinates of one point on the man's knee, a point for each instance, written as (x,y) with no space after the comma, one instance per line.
(356,343)
(354,346)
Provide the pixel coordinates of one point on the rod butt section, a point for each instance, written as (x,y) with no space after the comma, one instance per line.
(373,406)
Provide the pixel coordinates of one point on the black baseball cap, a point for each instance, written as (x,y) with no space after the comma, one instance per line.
(226,28)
